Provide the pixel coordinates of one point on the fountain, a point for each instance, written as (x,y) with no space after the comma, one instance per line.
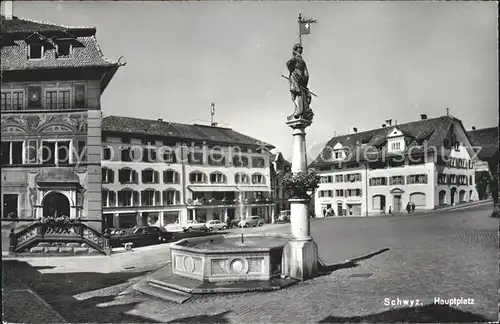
(239,263)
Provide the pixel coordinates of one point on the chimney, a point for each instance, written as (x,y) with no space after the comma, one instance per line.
(389,122)
(383,125)
(423,116)
(160,119)
(473,127)
(8,9)
(355,129)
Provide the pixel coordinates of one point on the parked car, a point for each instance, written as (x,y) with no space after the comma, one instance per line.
(252,221)
(284,216)
(194,225)
(215,225)
(234,222)
(141,236)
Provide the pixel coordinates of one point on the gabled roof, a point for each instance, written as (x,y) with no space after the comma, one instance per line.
(433,130)
(18,25)
(487,139)
(210,134)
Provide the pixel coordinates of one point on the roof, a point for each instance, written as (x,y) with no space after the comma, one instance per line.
(370,144)
(18,25)
(129,125)
(487,139)
(17,32)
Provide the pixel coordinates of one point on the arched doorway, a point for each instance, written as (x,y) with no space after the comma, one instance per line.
(461,196)
(453,191)
(442,197)
(378,203)
(55,204)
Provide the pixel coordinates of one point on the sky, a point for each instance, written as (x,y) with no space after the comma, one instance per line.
(368,61)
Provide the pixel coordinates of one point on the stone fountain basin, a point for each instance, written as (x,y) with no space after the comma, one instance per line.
(222,258)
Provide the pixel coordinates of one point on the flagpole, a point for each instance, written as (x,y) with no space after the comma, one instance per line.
(300,32)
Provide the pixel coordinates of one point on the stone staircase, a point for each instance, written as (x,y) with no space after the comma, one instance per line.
(46,248)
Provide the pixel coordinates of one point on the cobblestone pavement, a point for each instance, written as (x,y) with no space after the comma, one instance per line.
(442,254)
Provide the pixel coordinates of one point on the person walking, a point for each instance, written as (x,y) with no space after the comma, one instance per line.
(408,207)
(413,207)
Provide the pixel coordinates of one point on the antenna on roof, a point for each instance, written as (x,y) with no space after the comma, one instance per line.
(212,113)
(447,111)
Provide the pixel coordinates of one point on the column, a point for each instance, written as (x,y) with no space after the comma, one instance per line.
(300,255)
(225,215)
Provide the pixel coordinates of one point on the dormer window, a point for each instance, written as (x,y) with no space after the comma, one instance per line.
(35,51)
(396,146)
(63,50)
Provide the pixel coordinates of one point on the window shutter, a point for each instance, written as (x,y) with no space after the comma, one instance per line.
(157,198)
(112,198)
(111,176)
(135,199)
(103,175)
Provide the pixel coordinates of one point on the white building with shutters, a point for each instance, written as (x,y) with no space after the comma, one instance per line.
(161,173)
(429,163)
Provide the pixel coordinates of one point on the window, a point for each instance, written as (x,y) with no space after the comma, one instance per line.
(339,192)
(382,181)
(195,157)
(325,193)
(171,197)
(353,192)
(471,182)
(12,153)
(106,154)
(35,51)
(63,50)
(10,206)
(216,158)
(56,153)
(339,178)
(13,100)
(416,179)
(258,178)
(442,178)
(125,139)
(240,161)
(353,177)
(170,176)
(107,175)
(395,146)
(126,155)
(258,162)
(217,177)
(127,175)
(32,152)
(326,179)
(81,149)
(79,95)
(125,198)
(338,154)
(168,155)
(150,197)
(197,177)
(397,180)
(150,176)
(108,198)
(57,99)
(149,155)
(241,178)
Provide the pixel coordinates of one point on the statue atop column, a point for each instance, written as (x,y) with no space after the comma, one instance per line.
(298,79)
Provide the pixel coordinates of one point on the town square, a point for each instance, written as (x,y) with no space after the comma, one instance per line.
(225,162)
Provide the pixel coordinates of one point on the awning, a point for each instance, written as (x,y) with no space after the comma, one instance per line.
(212,188)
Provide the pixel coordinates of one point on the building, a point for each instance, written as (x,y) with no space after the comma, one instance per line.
(163,173)
(486,140)
(429,162)
(53,78)
(279,166)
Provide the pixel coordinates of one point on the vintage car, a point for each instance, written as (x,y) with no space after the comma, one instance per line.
(215,225)
(252,221)
(141,236)
(194,225)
